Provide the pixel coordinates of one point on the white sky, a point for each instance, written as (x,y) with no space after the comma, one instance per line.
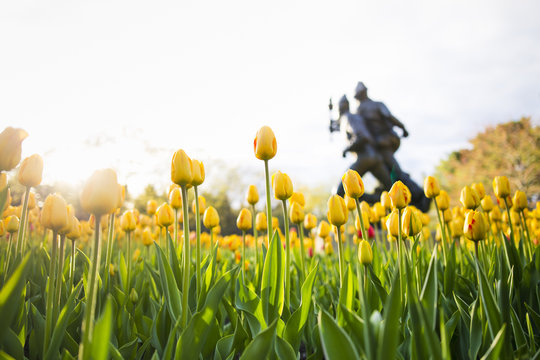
(135,76)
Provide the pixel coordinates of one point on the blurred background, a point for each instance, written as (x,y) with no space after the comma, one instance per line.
(124,84)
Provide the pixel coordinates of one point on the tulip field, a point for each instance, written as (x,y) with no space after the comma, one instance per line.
(369,281)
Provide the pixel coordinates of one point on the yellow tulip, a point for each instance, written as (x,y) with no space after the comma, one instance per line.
(12,224)
(54,214)
(121,196)
(69,224)
(296,213)
(353,184)
(164,215)
(175,198)
(198,173)
(350,202)
(100,193)
(501,186)
(365,254)
(443,200)
(411,224)
(469,198)
(75,231)
(151,207)
(265,145)
(128,222)
(181,169)
(392,223)
(202,205)
(282,185)
(31,171)
(337,210)
(456,226)
(147,238)
(520,200)
(310,222)
(495,214)
(243,222)
(400,196)
(385,200)
(260,222)
(425,218)
(487,203)
(211,218)
(324,229)
(297,197)
(431,187)
(252,196)
(328,248)
(447,216)
(10,147)
(275,222)
(380,209)
(475,226)
(480,190)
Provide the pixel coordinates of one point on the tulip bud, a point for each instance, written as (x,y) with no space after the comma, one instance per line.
(198,173)
(243,222)
(147,239)
(373,216)
(324,229)
(495,214)
(133,296)
(443,200)
(181,169)
(337,210)
(12,224)
(411,224)
(297,197)
(469,198)
(475,226)
(400,196)
(10,147)
(392,223)
(128,221)
(447,216)
(69,224)
(151,207)
(100,193)
(487,203)
(282,185)
(54,214)
(501,186)
(31,171)
(365,254)
(479,188)
(252,196)
(175,198)
(353,184)
(265,145)
(211,218)
(520,200)
(310,222)
(425,218)
(260,222)
(328,248)
(275,223)
(350,202)
(202,205)
(431,187)
(456,226)
(165,215)
(385,200)
(75,231)
(296,213)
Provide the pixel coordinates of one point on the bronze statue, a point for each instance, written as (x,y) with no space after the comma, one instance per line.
(370,135)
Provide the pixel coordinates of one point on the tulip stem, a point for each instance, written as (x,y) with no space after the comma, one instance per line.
(256,241)
(524,225)
(187,258)
(176,228)
(400,255)
(198,247)
(268,201)
(287,257)
(128,261)
(51,281)
(243,264)
(22,223)
(509,221)
(72,264)
(363,229)
(89,311)
(109,249)
(59,275)
(441,225)
(302,253)
(340,256)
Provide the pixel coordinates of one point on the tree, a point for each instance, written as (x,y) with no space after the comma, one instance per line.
(511,149)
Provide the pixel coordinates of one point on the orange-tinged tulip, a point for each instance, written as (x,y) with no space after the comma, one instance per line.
(165,215)
(252,196)
(353,184)
(487,203)
(469,198)
(244,220)
(211,218)
(310,222)
(480,190)
(297,197)
(411,224)
(31,171)
(265,145)
(260,222)
(337,210)
(365,254)
(475,226)
(501,186)
(100,193)
(520,200)
(175,198)
(181,169)
(151,207)
(54,214)
(431,187)
(198,173)
(400,196)
(12,224)
(10,147)
(443,200)
(385,200)
(282,185)
(324,229)
(296,213)
(128,222)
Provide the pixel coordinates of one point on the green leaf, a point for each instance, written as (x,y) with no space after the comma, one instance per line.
(272,286)
(248,302)
(336,343)
(388,342)
(475,332)
(284,351)
(12,345)
(346,293)
(495,349)
(102,334)
(492,312)
(262,344)
(430,292)
(168,285)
